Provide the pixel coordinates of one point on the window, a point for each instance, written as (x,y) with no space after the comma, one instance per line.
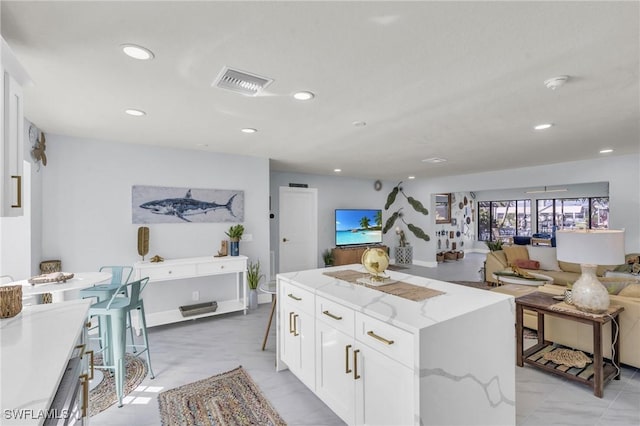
(572,213)
(443,208)
(501,220)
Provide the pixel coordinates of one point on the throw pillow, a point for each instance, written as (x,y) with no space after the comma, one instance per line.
(527,263)
(615,285)
(632,290)
(515,252)
(546,256)
(570,267)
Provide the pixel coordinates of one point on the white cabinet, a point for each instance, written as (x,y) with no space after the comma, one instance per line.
(11,176)
(359,383)
(335,383)
(385,391)
(297,328)
(381,359)
(181,270)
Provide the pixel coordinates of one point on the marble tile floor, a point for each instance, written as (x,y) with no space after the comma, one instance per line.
(196,349)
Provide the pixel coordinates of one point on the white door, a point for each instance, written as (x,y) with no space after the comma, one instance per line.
(298,246)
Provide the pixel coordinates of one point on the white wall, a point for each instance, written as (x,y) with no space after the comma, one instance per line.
(87,202)
(334,192)
(621,172)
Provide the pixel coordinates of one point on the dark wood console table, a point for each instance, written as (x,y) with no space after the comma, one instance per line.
(349,255)
(594,375)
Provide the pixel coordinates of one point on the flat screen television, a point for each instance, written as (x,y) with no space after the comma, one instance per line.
(358,227)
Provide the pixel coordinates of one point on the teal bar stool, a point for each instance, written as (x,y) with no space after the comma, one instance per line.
(101,292)
(115,311)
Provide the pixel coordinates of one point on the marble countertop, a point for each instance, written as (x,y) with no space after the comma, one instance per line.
(79,281)
(35,347)
(409,315)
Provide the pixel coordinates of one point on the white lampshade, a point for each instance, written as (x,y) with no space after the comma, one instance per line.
(591,247)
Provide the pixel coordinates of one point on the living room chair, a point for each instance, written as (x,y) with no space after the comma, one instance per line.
(115,311)
(101,292)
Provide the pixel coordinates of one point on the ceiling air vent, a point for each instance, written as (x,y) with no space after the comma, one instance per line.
(241,82)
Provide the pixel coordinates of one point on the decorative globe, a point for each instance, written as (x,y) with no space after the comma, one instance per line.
(376,261)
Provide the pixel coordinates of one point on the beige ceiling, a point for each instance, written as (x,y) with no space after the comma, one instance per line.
(457,80)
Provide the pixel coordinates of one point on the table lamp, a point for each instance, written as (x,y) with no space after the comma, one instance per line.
(590,248)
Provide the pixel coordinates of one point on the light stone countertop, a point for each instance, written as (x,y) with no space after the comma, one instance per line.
(406,314)
(35,347)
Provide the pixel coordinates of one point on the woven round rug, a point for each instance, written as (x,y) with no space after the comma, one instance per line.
(104,395)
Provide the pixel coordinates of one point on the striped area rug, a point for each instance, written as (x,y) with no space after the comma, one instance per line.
(227,399)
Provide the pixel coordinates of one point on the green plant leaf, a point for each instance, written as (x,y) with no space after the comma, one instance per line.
(418,232)
(417,206)
(389,223)
(391,198)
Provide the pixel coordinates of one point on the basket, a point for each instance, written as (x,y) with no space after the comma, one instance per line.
(49,266)
(450,255)
(199,308)
(460,254)
(439,257)
(10,301)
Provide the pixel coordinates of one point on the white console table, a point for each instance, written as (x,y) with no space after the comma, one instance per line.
(187,268)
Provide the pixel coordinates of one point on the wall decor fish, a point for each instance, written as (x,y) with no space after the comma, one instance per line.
(160,204)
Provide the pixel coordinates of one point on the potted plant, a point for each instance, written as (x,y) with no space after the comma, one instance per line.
(327,256)
(494,245)
(253,280)
(235,235)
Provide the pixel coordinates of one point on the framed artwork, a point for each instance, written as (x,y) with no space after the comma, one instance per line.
(161,204)
(443,208)
(454,221)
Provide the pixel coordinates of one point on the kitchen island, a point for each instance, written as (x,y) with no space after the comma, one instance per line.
(378,358)
(35,347)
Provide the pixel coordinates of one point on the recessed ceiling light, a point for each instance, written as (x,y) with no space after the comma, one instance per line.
(137,52)
(606,151)
(359,123)
(303,96)
(249,130)
(556,82)
(337,170)
(203,145)
(434,160)
(543,126)
(411,177)
(135,112)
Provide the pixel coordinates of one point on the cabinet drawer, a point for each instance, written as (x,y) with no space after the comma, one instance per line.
(385,338)
(168,272)
(297,298)
(221,267)
(335,315)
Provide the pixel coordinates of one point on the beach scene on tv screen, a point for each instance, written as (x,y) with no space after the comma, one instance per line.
(358,227)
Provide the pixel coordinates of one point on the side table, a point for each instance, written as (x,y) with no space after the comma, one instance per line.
(404,255)
(594,375)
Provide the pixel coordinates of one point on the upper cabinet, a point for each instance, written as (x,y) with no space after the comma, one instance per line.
(14,77)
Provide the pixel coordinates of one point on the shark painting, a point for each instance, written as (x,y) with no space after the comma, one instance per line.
(186,208)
